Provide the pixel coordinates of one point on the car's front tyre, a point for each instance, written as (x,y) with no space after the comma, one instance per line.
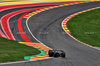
(63,55)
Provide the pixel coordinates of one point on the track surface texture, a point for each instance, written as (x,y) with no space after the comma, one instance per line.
(46,27)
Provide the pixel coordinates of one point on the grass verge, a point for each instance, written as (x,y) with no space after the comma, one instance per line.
(13,51)
(86,27)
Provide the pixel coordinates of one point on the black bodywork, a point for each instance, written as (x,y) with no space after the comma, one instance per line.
(56,53)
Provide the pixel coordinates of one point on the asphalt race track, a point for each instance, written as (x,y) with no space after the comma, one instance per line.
(77,54)
(46,27)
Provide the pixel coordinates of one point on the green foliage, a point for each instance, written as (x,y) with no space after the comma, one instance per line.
(13,51)
(86,27)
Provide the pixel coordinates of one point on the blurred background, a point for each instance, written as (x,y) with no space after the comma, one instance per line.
(45,0)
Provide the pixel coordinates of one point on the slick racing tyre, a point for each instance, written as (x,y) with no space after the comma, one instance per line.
(51,53)
(63,55)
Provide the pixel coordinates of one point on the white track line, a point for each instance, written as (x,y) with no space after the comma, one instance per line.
(30,30)
(2,34)
(22,61)
(38,13)
(36,39)
(70,35)
(8,26)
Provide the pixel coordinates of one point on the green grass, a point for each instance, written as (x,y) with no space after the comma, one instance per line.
(13,51)
(86,27)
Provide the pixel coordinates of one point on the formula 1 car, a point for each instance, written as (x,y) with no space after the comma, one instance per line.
(56,53)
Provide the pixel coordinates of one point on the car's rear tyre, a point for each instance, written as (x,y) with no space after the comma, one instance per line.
(63,55)
(51,53)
